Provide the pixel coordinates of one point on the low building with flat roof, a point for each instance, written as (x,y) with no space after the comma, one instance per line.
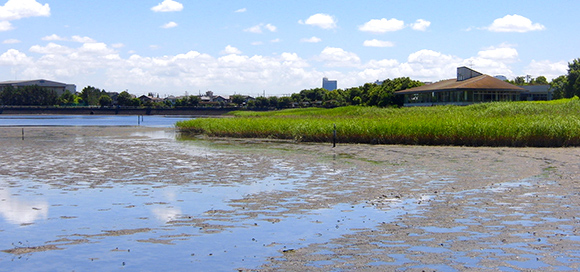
(59,87)
(469,87)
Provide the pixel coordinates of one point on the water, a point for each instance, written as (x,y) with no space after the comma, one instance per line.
(90,120)
(150,202)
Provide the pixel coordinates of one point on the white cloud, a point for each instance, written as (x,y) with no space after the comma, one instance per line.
(338,57)
(168,6)
(377,43)
(383,25)
(257,43)
(254,29)
(11,41)
(421,25)
(275,41)
(18,9)
(80,39)
(117,45)
(53,37)
(5,26)
(546,68)
(270,27)
(321,20)
(504,54)
(241,10)
(231,50)
(258,28)
(311,40)
(50,49)
(169,25)
(514,23)
(13,57)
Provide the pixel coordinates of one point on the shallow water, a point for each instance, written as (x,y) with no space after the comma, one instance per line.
(90,120)
(149,202)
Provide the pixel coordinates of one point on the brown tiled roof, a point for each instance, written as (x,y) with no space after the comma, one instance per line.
(483,82)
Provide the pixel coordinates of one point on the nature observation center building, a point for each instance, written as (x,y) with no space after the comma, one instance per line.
(469,87)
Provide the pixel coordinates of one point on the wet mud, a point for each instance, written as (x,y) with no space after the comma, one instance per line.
(141,198)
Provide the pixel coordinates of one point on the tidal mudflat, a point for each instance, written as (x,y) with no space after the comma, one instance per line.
(141,199)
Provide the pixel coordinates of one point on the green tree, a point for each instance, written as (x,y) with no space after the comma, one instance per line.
(273,101)
(573,78)
(261,102)
(558,87)
(238,99)
(124,99)
(541,80)
(67,98)
(105,100)
(284,102)
(91,95)
(519,81)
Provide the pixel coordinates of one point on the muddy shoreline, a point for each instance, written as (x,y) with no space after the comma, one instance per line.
(410,208)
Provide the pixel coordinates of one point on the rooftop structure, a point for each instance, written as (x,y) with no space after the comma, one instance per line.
(59,87)
(469,87)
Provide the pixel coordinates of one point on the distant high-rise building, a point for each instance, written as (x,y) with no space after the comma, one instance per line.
(329,84)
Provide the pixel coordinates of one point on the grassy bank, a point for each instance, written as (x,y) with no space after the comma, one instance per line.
(541,124)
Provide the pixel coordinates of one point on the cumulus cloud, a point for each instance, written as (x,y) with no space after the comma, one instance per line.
(51,48)
(13,57)
(505,54)
(168,6)
(259,28)
(241,10)
(321,20)
(547,68)
(514,23)
(420,25)
(338,57)
(5,26)
(74,38)
(231,50)
(11,41)
(18,9)
(85,64)
(53,37)
(80,39)
(382,25)
(169,25)
(311,40)
(377,43)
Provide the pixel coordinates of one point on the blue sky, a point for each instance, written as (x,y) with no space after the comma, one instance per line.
(173,47)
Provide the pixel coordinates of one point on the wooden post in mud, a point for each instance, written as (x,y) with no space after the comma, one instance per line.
(334,137)
(23,134)
(138,120)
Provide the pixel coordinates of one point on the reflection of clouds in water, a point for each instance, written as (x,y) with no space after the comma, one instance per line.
(166,214)
(17,211)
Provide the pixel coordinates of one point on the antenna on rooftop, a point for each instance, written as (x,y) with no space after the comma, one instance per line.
(470,64)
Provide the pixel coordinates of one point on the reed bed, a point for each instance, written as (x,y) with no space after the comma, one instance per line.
(538,124)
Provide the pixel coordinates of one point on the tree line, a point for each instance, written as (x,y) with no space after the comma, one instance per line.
(370,94)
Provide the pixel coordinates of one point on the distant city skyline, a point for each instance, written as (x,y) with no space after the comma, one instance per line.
(171,47)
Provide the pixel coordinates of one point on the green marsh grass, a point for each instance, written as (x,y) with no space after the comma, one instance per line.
(541,124)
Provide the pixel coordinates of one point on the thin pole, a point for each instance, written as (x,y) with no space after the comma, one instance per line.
(334,137)
(138,120)
(23,134)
